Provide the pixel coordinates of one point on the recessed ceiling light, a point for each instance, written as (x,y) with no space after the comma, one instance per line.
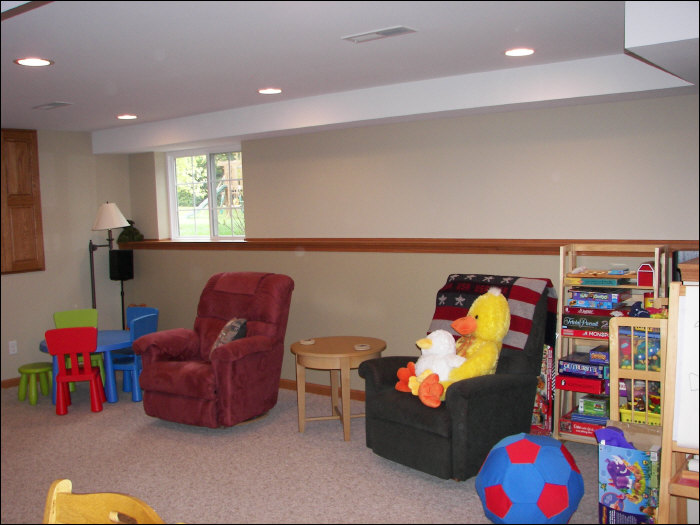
(127,116)
(520,52)
(33,62)
(270,91)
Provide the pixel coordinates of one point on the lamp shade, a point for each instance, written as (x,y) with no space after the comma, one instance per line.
(108,217)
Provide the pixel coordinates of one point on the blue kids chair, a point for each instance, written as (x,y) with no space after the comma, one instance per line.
(141,321)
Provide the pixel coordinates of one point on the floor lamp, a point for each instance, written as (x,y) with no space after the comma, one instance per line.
(108,217)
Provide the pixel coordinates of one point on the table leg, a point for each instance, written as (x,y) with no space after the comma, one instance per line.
(301,395)
(53,383)
(335,408)
(110,379)
(345,385)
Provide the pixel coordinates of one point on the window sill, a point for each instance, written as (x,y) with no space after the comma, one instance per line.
(396,245)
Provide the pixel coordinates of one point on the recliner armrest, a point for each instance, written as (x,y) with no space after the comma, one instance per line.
(167,345)
(240,348)
(381,371)
(481,386)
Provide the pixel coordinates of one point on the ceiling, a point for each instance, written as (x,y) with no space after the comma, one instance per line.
(191,70)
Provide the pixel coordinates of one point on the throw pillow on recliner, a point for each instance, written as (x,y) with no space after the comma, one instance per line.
(234,329)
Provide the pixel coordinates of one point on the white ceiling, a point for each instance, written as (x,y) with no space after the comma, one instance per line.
(191,70)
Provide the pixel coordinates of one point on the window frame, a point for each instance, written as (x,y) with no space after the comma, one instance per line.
(211,190)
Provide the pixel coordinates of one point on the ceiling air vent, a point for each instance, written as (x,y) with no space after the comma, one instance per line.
(53,105)
(381,33)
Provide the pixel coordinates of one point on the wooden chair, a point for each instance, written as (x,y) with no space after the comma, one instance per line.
(64,506)
(68,344)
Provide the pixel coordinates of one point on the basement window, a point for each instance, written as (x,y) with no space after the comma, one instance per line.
(206,195)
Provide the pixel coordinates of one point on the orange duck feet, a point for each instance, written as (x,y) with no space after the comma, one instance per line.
(404,374)
(430,391)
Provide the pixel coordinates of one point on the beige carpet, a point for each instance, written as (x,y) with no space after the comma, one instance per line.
(261,472)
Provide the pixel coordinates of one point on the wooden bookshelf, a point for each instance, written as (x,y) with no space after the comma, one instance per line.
(570,257)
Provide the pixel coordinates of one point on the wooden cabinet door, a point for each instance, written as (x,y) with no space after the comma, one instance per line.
(22,234)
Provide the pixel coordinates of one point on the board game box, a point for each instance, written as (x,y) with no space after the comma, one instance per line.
(544,397)
(628,478)
(588,385)
(593,303)
(580,428)
(586,322)
(599,354)
(612,295)
(585,334)
(579,364)
(621,311)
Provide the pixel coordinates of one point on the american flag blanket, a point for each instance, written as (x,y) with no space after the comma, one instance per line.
(454,299)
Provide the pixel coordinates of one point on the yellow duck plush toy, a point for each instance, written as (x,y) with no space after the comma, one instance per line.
(482,330)
(475,353)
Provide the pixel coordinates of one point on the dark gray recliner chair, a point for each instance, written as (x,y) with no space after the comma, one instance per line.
(453,440)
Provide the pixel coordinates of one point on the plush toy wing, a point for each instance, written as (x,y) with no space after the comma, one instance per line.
(481,359)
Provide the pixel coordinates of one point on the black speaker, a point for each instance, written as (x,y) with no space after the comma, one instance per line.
(121,265)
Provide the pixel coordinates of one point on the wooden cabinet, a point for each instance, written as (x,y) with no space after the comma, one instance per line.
(637,360)
(22,233)
(677,483)
(597,257)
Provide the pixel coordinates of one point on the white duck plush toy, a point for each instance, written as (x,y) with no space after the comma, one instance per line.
(438,354)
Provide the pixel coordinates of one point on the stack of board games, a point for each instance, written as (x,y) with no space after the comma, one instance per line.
(544,397)
(600,278)
(576,372)
(587,312)
(592,409)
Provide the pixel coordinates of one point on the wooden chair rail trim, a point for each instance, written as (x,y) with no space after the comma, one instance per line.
(401,245)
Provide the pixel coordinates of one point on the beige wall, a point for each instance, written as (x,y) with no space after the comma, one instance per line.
(74,182)
(385,295)
(626,170)
(616,170)
(149,194)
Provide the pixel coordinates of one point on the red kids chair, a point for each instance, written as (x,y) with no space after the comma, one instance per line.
(68,344)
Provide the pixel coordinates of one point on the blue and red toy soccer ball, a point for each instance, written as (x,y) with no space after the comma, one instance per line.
(529,479)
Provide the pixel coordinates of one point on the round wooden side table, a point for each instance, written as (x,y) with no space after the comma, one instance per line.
(336,354)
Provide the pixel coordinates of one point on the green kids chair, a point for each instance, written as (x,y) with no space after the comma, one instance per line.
(75,319)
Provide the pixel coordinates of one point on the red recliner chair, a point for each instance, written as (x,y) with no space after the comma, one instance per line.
(227,369)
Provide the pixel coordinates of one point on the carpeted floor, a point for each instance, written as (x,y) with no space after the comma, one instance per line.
(261,472)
